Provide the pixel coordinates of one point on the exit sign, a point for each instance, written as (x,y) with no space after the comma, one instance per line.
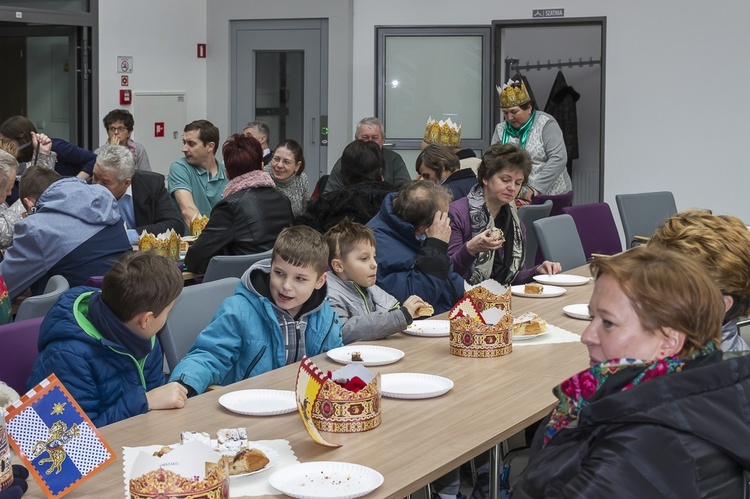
(548,13)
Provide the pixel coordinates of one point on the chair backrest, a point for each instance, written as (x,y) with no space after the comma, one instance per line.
(596,228)
(559,241)
(528,214)
(192,312)
(19,339)
(221,266)
(641,214)
(558,201)
(37,306)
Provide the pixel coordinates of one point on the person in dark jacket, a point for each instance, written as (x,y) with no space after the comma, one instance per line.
(412,230)
(72,229)
(659,413)
(439,164)
(142,199)
(363,191)
(102,344)
(252,213)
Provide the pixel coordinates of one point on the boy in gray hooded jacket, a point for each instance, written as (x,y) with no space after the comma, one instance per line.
(366,311)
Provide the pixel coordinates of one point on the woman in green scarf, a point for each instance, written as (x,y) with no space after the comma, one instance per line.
(539,134)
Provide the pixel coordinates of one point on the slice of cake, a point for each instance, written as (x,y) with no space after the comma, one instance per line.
(231,439)
(528,324)
(246,461)
(533,288)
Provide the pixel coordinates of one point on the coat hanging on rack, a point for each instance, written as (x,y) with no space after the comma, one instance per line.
(561,104)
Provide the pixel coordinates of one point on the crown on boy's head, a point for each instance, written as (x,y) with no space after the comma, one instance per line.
(513,94)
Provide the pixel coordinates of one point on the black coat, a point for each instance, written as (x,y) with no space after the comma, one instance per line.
(460,182)
(152,206)
(684,435)
(244,223)
(561,104)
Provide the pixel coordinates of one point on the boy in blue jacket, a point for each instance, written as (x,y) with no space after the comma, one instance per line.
(278,313)
(102,344)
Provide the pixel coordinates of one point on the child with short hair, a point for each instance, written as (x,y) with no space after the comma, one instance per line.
(102,343)
(366,311)
(278,313)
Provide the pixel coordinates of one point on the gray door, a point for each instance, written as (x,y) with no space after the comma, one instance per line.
(279,75)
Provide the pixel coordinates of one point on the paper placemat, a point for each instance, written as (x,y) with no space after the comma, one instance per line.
(252,485)
(555,335)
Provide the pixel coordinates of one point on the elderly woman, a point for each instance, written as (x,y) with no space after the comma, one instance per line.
(251,214)
(539,134)
(476,252)
(9,215)
(658,413)
(362,170)
(722,245)
(287,169)
(119,125)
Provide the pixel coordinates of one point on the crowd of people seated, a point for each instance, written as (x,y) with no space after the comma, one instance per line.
(356,263)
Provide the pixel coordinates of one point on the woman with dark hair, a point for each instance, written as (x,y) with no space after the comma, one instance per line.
(119,124)
(362,169)
(252,212)
(287,169)
(660,412)
(539,134)
(71,161)
(477,250)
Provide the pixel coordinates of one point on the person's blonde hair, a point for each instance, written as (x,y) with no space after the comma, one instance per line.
(720,243)
(668,290)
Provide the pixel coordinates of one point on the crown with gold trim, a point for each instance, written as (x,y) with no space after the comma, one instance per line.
(441,132)
(513,94)
(481,323)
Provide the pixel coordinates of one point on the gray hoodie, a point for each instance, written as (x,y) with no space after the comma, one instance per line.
(365,313)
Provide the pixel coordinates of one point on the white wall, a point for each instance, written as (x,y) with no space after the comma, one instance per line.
(162,38)
(676,101)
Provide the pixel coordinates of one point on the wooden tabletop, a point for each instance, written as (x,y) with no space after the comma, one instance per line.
(418,440)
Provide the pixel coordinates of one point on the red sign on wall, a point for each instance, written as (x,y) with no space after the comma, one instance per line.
(159,129)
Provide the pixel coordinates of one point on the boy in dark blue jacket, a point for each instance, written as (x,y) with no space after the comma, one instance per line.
(102,344)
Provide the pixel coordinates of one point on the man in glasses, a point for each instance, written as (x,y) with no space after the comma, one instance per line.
(119,125)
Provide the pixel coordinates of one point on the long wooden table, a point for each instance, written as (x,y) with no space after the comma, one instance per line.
(418,440)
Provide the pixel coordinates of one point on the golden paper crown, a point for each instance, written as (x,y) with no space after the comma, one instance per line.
(166,244)
(472,336)
(513,94)
(442,132)
(485,299)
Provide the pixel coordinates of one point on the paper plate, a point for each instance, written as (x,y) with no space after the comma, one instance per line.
(562,279)
(272,455)
(259,402)
(326,479)
(372,355)
(429,327)
(523,337)
(578,311)
(547,291)
(414,385)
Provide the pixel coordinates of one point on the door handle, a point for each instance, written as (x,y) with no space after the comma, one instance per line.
(313,131)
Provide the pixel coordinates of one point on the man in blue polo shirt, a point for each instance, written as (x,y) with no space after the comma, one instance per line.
(196,182)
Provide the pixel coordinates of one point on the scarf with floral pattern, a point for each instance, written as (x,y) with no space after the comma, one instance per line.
(580,390)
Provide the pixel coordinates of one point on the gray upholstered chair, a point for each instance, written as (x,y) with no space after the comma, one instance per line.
(559,241)
(641,214)
(528,214)
(192,312)
(221,266)
(37,306)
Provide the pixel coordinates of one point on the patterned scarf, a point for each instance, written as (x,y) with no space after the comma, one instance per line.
(509,131)
(581,390)
(255,178)
(512,250)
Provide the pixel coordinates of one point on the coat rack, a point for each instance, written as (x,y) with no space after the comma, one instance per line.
(512,65)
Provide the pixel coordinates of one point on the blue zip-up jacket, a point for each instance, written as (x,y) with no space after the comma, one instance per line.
(244,338)
(106,381)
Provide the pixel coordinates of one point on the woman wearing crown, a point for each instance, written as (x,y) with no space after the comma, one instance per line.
(539,134)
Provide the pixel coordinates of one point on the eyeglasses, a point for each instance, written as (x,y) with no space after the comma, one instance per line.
(117,129)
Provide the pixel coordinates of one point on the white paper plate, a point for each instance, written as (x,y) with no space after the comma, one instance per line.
(259,402)
(272,455)
(414,385)
(547,291)
(372,355)
(562,279)
(523,337)
(326,480)
(578,311)
(429,327)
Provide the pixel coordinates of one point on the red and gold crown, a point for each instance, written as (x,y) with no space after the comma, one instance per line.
(479,334)
(513,94)
(441,132)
